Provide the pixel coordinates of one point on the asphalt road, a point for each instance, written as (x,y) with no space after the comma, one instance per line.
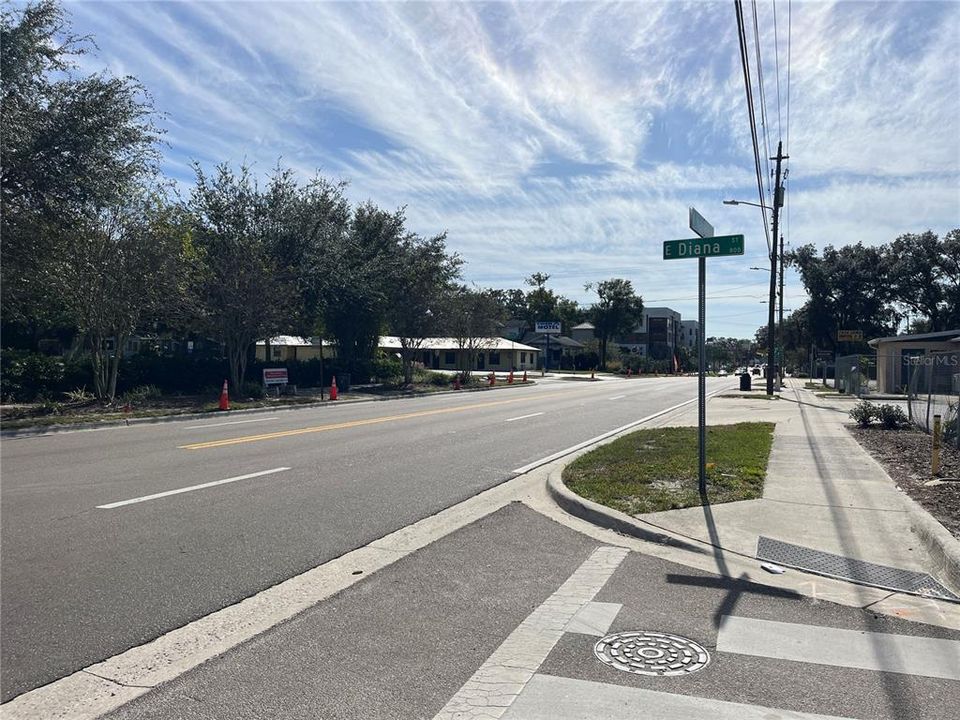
(401,642)
(80,583)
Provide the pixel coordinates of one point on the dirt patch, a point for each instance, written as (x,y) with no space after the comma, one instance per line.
(905,455)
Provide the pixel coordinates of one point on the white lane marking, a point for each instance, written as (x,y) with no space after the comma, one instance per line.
(579,446)
(121,503)
(548,697)
(523,417)
(501,678)
(594,618)
(617,397)
(907,654)
(234,422)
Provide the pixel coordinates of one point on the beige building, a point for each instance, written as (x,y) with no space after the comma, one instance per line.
(291,347)
(898,355)
(494,353)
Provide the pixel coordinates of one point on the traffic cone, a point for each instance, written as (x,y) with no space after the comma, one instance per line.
(510,379)
(493,379)
(456,382)
(224,397)
(524,375)
(333,388)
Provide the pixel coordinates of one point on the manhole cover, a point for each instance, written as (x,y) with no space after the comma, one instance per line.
(650,653)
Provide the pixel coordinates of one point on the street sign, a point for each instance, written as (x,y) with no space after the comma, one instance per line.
(849,335)
(275,376)
(719,246)
(699,224)
(549,327)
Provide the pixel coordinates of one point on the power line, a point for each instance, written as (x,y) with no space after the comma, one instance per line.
(745,63)
(776,55)
(763,98)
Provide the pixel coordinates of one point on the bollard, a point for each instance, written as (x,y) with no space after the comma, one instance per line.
(591,374)
(935,460)
(524,375)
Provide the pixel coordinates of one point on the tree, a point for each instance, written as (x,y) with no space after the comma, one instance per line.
(471,317)
(72,148)
(237,292)
(951,278)
(617,311)
(416,283)
(121,265)
(915,271)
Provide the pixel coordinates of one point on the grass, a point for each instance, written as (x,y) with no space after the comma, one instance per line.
(656,469)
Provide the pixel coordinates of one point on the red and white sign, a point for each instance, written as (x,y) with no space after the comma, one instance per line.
(275,376)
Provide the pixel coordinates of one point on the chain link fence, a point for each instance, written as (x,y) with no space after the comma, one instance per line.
(934,389)
(856,374)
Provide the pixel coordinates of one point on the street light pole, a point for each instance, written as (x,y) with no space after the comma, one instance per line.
(777,202)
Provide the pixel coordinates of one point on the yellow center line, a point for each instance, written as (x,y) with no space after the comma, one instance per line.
(354,423)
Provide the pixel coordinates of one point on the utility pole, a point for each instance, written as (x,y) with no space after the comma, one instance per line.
(777,203)
(780,335)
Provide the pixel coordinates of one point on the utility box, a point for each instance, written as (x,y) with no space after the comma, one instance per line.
(745,381)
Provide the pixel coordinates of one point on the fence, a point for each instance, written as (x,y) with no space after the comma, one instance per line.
(934,389)
(856,374)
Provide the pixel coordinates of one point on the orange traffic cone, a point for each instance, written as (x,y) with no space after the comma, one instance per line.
(224,397)
(524,375)
(456,382)
(510,379)
(493,379)
(333,388)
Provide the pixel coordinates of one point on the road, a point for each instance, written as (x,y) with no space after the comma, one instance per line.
(87,574)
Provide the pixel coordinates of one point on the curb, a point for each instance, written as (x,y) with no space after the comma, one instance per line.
(126,422)
(609,518)
(943,548)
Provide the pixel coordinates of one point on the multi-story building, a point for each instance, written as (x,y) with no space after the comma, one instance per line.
(690,333)
(657,335)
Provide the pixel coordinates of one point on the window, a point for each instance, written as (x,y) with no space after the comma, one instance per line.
(450,358)
(523,358)
(495,358)
(275,352)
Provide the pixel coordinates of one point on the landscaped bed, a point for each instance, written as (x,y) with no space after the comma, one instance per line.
(656,469)
(905,455)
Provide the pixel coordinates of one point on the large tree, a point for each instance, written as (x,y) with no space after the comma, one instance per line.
(915,270)
(73,147)
(471,317)
(617,311)
(417,282)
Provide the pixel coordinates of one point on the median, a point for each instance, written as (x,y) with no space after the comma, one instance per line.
(656,468)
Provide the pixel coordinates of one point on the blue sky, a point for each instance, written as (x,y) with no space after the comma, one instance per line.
(568,138)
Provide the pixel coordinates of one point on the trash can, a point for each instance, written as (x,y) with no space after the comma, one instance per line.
(745,381)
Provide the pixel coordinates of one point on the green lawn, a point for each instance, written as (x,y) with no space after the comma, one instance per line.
(656,469)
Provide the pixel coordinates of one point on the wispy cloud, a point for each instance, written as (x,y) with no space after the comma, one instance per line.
(567,138)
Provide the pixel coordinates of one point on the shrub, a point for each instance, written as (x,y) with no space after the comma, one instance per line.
(892,417)
(386,369)
(252,390)
(79,395)
(864,413)
(140,394)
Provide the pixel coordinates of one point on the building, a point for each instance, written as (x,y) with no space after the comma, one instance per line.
(493,353)
(291,347)
(554,348)
(690,334)
(657,335)
(898,357)
(583,333)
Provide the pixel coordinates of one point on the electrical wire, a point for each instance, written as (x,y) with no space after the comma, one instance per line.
(776,55)
(763,101)
(745,64)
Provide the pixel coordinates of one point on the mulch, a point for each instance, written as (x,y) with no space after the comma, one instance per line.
(905,455)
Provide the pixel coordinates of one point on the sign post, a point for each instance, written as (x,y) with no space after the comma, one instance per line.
(702,247)
(548,328)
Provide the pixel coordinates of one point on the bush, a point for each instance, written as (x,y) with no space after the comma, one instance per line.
(892,417)
(386,369)
(140,394)
(252,390)
(864,413)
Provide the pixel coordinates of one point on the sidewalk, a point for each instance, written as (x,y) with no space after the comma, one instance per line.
(823,491)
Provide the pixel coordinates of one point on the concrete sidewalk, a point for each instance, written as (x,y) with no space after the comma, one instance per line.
(823,491)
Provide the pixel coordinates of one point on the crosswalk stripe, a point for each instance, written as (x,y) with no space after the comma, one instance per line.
(907,654)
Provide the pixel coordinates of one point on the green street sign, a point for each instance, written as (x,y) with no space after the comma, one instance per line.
(703,247)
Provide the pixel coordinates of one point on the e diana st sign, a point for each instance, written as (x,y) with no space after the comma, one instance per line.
(719,246)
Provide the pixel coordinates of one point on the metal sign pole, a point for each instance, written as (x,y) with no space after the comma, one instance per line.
(702,380)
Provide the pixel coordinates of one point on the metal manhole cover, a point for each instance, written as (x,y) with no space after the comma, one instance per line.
(651,653)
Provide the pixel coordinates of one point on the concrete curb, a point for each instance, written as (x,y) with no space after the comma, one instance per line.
(38,431)
(943,548)
(606,517)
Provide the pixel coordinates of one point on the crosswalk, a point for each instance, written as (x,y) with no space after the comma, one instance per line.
(512,685)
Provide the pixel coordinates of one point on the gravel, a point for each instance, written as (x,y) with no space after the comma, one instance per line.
(905,455)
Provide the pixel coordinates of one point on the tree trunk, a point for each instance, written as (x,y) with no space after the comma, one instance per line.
(114,366)
(97,360)
(603,352)
(406,358)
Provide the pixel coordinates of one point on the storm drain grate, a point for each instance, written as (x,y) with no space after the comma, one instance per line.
(651,653)
(844,568)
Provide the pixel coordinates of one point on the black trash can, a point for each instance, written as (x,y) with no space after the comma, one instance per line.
(745,381)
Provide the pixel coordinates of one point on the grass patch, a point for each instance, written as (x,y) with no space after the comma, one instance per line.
(656,469)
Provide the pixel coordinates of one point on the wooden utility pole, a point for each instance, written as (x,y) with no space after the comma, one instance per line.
(771,334)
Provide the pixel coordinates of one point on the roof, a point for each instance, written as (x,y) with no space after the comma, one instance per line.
(293,341)
(584,326)
(942,336)
(391,342)
(558,340)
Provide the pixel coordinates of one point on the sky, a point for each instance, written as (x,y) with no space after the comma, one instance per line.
(570,139)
